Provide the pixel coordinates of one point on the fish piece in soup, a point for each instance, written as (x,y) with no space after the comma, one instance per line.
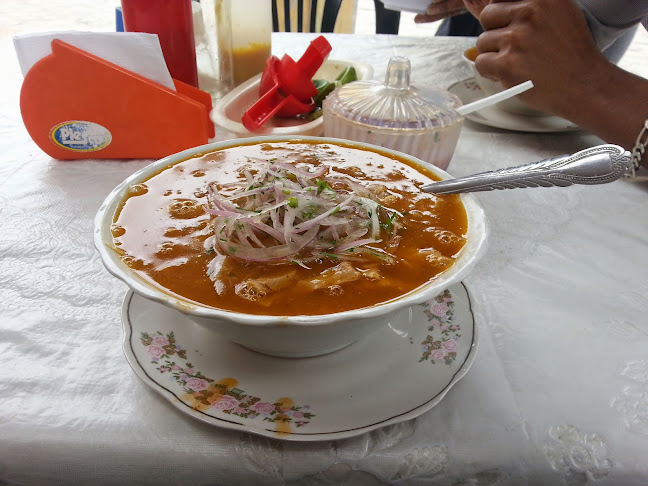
(338,275)
(259,289)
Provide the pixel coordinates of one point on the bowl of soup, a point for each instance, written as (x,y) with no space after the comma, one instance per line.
(292,247)
(489,87)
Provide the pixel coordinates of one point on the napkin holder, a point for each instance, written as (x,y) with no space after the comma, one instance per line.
(78,106)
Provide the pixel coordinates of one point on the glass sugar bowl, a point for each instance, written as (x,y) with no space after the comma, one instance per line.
(422,122)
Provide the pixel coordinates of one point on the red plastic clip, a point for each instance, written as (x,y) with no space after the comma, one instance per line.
(286,87)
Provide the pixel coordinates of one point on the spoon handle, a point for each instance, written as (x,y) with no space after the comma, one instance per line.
(595,165)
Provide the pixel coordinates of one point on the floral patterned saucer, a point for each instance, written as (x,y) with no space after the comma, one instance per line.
(395,374)
(468,91)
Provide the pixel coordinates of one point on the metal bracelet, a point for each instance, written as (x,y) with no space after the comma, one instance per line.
(639,148)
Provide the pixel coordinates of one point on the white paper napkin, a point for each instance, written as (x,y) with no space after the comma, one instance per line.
(138,52)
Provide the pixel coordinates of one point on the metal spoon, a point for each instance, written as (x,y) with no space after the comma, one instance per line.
(595,165)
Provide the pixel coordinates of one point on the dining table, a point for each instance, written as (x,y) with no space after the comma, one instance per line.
(555,390)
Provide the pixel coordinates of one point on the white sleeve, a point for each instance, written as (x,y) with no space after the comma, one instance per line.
(610,19)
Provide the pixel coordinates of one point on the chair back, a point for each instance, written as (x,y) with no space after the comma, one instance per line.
(313,15)
(387,21)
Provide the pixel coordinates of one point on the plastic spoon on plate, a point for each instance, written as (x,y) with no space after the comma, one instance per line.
(493,99)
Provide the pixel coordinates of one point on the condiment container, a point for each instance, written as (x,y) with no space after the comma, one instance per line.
(420,121)
(243,30)
(172,21)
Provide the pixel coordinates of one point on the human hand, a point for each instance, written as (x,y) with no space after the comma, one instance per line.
(475,7)
(440,9)
(546,41)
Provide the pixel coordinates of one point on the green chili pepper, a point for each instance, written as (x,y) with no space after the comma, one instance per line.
(346,76)
(324,88)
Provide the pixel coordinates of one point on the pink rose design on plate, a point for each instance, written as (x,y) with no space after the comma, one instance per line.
(450,345)
(189,371)
(298,414)
(197,384)
(440,309)
(438,354)
(155,351)
(160,341)
(263,407)
(226,402)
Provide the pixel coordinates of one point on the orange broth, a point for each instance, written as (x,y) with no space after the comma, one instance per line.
(471,54)
(161,227)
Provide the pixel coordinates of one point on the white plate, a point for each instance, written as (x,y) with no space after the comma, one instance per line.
(229,110)
(392,375)
(468,91)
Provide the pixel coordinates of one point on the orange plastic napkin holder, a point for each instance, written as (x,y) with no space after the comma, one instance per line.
(78,106)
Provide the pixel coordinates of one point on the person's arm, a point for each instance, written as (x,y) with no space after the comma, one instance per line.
(549,42)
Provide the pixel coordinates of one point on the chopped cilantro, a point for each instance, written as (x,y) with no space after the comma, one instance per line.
(332,256)
(310,210)
(389,224)
(321,185)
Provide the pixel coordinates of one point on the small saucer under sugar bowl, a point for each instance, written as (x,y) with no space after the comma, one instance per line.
(419,121)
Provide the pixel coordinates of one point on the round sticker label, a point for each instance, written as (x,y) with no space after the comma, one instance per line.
(80,136)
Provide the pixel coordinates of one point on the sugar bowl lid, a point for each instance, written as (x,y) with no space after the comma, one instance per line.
(394,104)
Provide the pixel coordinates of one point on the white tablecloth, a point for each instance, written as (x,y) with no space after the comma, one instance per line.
(558,393)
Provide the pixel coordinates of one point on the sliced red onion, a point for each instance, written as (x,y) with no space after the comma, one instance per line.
(311,222)
(353,244)
(318,172)
(276,234)
(265,254)
(289,205)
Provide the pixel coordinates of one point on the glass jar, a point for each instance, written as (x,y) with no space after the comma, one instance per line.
(243,31)
(420,121)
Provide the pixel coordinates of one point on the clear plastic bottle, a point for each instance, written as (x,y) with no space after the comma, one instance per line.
(243,31)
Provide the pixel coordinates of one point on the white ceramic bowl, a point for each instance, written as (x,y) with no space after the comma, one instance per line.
(490,87)
(286,336)
(229,110)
